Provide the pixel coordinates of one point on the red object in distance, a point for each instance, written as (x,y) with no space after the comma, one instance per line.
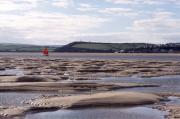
(45,52)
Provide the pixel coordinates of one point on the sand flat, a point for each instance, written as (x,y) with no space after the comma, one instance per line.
(104,99)
(56,86)
(119,99)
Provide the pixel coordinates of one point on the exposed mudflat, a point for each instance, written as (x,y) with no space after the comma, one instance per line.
(114,99)
(55,84)
(57,69)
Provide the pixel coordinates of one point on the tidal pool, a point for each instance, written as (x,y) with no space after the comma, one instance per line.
(168,84)
(12,72)
(101,113)
(17,98)
(174,100)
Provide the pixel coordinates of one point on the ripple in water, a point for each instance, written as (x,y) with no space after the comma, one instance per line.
(101,113)
(17,98)
(168,84)
(12,72)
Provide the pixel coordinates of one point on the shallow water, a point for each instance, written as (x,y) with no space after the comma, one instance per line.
(12,72)
(101,113)
(167,84)
(17,98)
(95,56)
(14,98)
(174,100)
(162,80)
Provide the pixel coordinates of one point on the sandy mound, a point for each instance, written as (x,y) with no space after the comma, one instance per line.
(100,99)
(117,99)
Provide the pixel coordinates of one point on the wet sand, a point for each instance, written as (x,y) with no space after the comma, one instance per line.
(58,86)
(59,75)
(90,69)
(115,99)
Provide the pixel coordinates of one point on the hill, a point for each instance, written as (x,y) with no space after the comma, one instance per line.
(10,47)
(101,47)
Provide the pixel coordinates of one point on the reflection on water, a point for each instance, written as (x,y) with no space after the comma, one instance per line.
(174,100)
(101,113)
(95,56)
(163,80)
(12,98)
(16,98)
(167,83)
(12,72)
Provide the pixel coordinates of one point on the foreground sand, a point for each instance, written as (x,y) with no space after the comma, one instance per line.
(52,75)
(117,99)
(173,110)
(100,99)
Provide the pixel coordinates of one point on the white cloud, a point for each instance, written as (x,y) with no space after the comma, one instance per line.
(84,7)
(150,2)
(161,21)
(122,37)
(8,6)
(38,21)
(49,26)
(13,5)
(108,11)
(119,11)
(162,14)
(161,27)
(63,3)
(131,37)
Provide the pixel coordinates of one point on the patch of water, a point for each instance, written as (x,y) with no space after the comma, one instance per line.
(95,56)
(12,72)
(161,89)
(13,98)
(101,113)
(174,100)
(168,84)
(163,80)
(17,98)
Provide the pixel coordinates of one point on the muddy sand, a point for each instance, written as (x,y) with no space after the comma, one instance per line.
(57,75)
(90,69)
(58,86)
(119,99)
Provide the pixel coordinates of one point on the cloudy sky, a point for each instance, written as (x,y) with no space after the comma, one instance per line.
(56,22)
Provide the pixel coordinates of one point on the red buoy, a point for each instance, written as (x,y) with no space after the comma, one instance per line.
(45,52)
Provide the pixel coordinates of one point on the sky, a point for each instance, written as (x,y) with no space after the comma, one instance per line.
(58,22)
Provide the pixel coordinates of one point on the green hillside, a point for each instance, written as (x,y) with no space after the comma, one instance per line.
(100,47)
